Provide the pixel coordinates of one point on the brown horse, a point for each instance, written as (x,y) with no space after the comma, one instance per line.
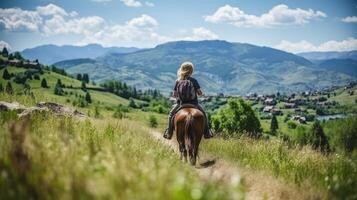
(189,125)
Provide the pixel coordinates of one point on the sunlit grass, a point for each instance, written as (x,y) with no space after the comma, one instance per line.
(111,159)
(335,174)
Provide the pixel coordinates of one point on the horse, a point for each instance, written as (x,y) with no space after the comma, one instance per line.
(189,124)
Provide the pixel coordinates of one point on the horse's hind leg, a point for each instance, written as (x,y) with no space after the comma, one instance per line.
(183,152)
(192,156)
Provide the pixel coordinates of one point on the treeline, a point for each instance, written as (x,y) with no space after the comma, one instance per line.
(123,90)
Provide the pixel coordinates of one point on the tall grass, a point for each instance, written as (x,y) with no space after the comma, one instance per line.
(335,174)
(49,157)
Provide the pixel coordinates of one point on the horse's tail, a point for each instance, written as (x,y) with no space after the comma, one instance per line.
(189,134)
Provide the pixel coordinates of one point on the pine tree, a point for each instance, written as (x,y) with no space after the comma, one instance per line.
(58,88)
(5,52)
(132,103)
(274,125)
(318,139)
(44,83)
(9,89)
(88,98)
(6,75)
(83,86)
(79,77)
(85,78)
(17,55)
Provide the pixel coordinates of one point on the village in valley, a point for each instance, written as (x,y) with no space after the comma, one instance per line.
(301,108)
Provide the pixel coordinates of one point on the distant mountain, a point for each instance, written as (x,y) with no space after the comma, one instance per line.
(220,66)
(316,56)
(49,54)
(346,66)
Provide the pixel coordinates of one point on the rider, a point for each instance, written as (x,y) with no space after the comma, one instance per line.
(184,73)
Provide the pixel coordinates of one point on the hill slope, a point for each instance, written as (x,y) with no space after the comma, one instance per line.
(220,66)
(316,55)
(49,54)
(346,66)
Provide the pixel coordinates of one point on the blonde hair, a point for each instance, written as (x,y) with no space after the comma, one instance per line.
(185,71)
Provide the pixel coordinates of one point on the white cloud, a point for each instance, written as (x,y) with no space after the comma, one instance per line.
(278,15)
(4,44)
(348,44)
(201,33)
(141,29)
(350,19)
(143,21)
(53,20)
(49,20)
(50,10)
(84,25)
(150,4)
(131,3)
(17,19)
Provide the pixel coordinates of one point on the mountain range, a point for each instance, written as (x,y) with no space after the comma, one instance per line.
(49,54)
(220,66)
(328,55)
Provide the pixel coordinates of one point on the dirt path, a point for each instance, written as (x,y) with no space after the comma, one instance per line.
(257,185)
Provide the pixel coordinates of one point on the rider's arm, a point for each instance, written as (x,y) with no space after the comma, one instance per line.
(174,94)
(199,92)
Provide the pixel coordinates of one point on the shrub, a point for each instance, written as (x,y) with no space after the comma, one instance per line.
(44,83)
(291,125)
(119,111)
(153,121)
(8,88)
(132,103)
(342,134)
(20,78)
(318,139)
(236,118)
(6,75)
(88,98)
(274,125)
(58,88)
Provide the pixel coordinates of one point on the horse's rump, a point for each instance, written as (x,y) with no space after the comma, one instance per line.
(189,126)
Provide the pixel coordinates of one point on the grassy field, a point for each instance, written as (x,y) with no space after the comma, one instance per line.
(48,157)
(334,174)
(63,158)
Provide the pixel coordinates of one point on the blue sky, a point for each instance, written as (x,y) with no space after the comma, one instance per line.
(295,26)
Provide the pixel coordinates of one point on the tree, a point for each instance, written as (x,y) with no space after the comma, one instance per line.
(79,77)
(132,103)
(1,88)
(44,83)
(58,88)
(17,55)
(153,121)
(318,139)
(236,118)
(85,78)
(274,125)
(83,86)
(8,88)
(6,75)
(5,52)
(88,98)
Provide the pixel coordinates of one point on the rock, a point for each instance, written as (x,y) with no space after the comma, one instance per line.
(5,106)
(32,110)
(60,109)
(54,108)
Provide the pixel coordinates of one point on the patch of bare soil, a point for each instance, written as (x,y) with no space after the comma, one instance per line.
(257,184)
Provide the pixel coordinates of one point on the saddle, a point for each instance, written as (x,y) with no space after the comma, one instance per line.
(182,106)
(186,105)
